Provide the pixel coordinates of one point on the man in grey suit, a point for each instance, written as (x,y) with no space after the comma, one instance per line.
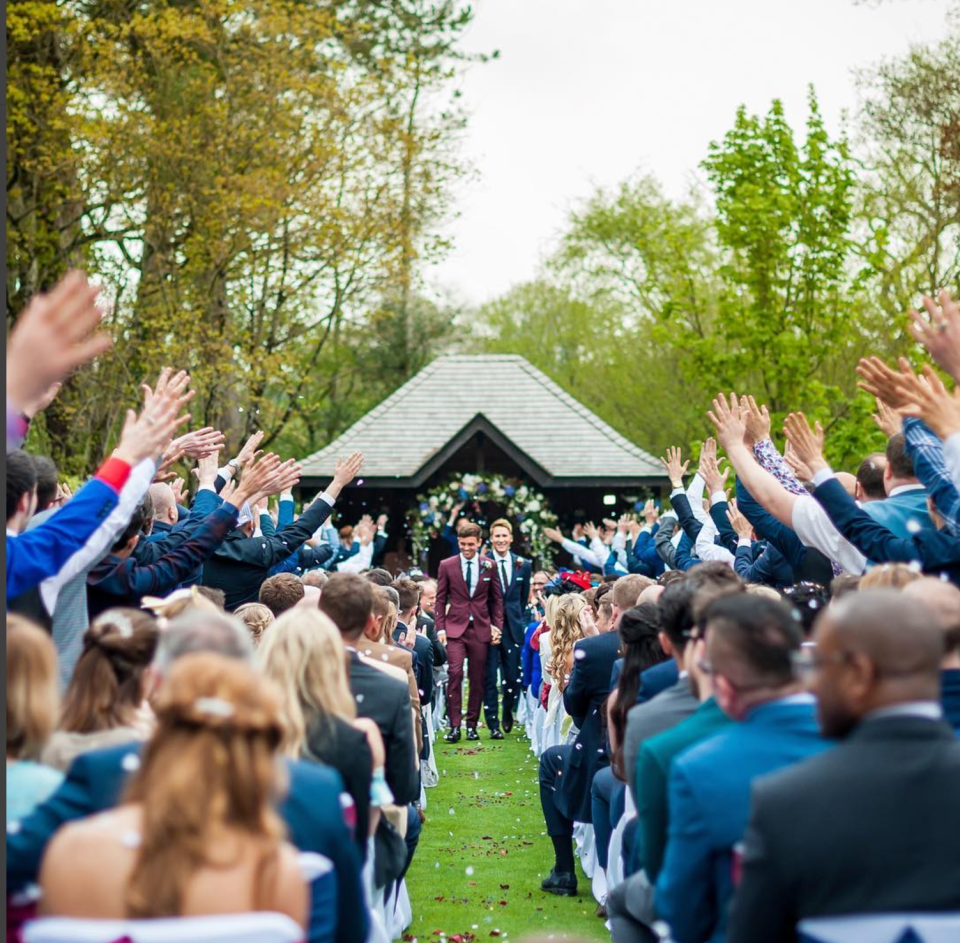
(872,826)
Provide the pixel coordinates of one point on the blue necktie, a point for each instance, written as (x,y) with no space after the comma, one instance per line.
(470,577)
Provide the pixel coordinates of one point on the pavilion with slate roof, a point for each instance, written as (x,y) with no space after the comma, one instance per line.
(487,414)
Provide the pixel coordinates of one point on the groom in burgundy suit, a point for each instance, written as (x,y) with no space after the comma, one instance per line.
(470,610)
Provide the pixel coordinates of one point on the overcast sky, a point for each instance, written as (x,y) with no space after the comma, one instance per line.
(587,92)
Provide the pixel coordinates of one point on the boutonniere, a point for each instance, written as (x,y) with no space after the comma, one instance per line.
(520,561)
(487,565)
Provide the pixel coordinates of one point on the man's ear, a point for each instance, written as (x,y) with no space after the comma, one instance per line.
(666,644)
(25,502)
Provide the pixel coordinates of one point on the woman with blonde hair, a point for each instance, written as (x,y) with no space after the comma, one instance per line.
(196,833)
(556,655)
(890,576)
(303,653)
(33,704)
(105,702)
(256,617)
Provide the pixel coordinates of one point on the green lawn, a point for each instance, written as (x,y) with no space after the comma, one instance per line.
(484,851)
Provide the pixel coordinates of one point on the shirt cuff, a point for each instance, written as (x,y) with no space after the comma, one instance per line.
(114,472)
(744,542)
(329,498)
(825,474)
(677,491)
(226,472)
(718,497)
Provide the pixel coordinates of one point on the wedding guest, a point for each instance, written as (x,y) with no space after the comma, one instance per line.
(171,849)
(751,645)
(257,618)
(303,655)
(33,704)
(105,703)
(889,576)
(890,841)
(281,592)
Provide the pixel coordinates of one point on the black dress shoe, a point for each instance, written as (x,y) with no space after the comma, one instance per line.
(453,736)
(471,734)
(560,883)
(507,723)
(496,734)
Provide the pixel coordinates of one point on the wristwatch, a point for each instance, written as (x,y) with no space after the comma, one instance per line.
(233,463)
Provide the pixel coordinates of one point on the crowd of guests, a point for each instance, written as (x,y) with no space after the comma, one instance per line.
(745,710)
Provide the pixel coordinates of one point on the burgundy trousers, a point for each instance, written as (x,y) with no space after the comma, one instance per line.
(468,647)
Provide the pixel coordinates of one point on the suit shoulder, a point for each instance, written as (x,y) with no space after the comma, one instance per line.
(314,776)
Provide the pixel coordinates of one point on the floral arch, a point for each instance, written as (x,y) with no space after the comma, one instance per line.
(487,497)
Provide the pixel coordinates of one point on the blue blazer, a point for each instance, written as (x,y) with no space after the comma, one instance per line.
(583,700)
(709,802)
(657,679)
(311,810)
(516,596)
(897,512)
(532,671)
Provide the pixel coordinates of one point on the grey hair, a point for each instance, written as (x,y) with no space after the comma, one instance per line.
(202,631)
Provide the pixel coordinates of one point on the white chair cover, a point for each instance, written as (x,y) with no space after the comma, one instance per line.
(586,847)
(535,730)
(220,928)
(881,928)
(615,869)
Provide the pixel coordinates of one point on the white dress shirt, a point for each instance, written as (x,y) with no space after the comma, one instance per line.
(504,569)
(474,572)
(813,526)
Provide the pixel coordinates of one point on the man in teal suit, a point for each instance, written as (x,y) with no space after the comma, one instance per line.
(751,644)
(904,509)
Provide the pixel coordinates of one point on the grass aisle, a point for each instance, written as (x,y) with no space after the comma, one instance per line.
(483,853)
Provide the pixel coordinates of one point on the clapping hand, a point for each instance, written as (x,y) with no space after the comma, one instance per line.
(551,533)
(738,522)
(200,442)
(590,529)
(675,468)
(651,512)
(932,402)
(728,420)
(178,486)
(807,443)
(714,479)
(887,419)
(884,383)
(800,469)
(939,332)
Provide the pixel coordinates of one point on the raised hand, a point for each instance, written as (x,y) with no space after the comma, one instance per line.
(145,436)
(807,443)
(728,420)
(250,449)
(178,486)
(256,478)
(651,512)
(714,479)
(800,469)
(738,522)
(551,533)
(757,421)
(345,471)
(676,469)
(708,453)
(286,476)
(200,442)
(590,529)
(932,402)
(51,338)
(884,383)
(939,332)
(609,523)
(382,521)
(39,405)
(887,419)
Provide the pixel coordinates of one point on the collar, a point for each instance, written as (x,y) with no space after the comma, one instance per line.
(464,560)
(505,559)
(930,710)
(12,533)
(903,489)
(791,700)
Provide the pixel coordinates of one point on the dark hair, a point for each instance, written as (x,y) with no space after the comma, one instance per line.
(676,612)
(870,477)
(898,461)
(348,600)
(140,517)
(469,529)
(757,634)
(21,478)
(217,596)
(808,601)
(409,593)
(107,684)
(46,481)
(670,576)
(640,644)
(378,577)
(281,592)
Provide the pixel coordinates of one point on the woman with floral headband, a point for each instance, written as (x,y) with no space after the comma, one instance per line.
(196,832)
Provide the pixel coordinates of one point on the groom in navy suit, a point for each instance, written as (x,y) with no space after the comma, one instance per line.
(470,611)
(514,574)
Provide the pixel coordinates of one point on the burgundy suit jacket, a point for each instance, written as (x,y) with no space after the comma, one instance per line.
(455,605)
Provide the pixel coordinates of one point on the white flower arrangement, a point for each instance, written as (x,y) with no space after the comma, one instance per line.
(525,507)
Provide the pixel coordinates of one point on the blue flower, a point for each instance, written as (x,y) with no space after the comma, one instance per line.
(424,507)
(509,491)
(481,488)
(463,494)
(638,506)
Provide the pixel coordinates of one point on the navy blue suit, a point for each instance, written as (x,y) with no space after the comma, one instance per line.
(506,656)
(566,772)
(658,678)
(311,810)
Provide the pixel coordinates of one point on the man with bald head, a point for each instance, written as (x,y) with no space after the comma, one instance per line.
(872,826)
(944,599)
